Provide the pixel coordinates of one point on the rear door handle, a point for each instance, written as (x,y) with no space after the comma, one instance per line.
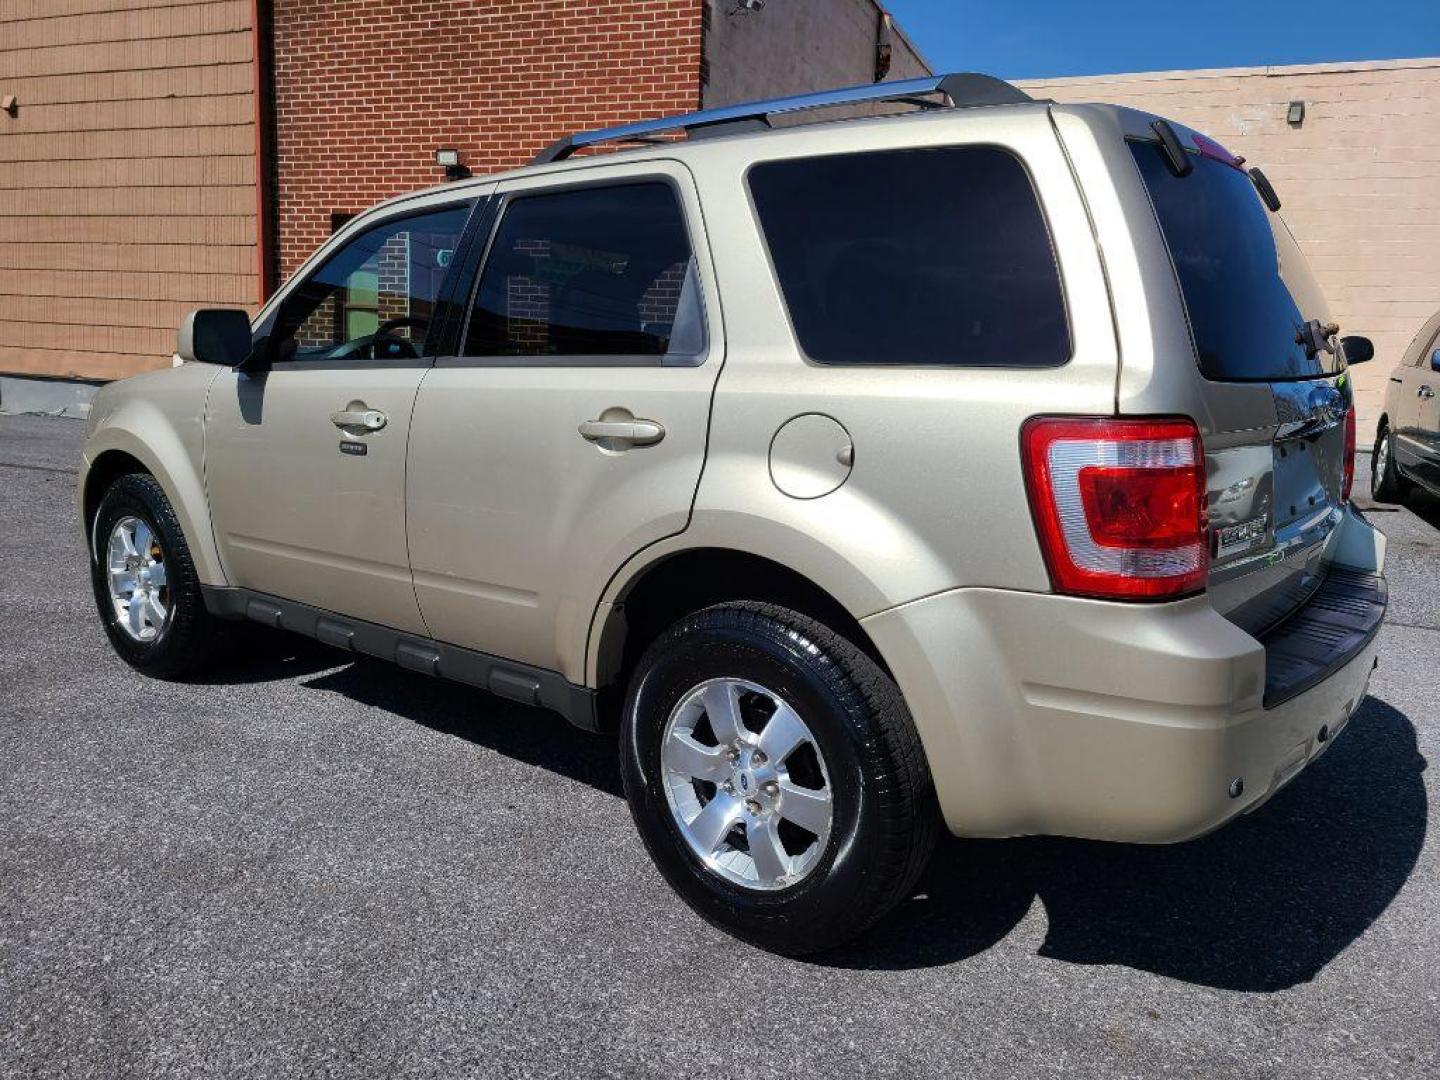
(1425,392)
(361,418)
(633,432)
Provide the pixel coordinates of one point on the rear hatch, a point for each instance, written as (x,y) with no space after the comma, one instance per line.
(1278,465)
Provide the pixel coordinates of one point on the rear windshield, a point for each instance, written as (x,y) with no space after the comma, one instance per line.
(1247,286)
(935,256)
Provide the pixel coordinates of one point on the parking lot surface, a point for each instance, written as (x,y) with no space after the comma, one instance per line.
(311,864)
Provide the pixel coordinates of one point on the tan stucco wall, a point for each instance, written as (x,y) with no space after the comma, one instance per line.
(796,46)
(1359,178)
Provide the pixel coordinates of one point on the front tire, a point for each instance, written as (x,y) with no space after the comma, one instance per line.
(146,587)
(1386,483)
(776,777)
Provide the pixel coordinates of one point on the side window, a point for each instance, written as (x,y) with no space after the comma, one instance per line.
(599,271)
(373,298)
(933,256)
(1424,343)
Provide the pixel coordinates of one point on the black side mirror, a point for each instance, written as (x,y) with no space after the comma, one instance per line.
(1357,349)
(215,336)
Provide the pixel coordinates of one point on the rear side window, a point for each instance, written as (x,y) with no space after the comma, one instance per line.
(933,256)
(1247,286)
(603,271)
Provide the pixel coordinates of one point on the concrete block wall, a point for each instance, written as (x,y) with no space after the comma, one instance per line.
(1359,177)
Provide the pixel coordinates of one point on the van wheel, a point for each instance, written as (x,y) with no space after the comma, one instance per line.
(1386,483)
(145,583)
(775,776)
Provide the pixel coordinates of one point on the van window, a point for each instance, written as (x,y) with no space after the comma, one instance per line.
(600,271)
(1247,286)
(933,256)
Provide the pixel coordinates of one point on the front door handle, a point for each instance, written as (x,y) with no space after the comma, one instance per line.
(356,417)
(620,433)
(1425,392)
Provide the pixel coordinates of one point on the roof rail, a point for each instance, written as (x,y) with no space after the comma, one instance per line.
(965,90)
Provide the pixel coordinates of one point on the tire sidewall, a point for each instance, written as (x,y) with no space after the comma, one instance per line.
(705,648)
(132,496)
(1386,484)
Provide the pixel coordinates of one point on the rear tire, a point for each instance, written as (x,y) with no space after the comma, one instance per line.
(1386,483)
(146,588)
(846,847)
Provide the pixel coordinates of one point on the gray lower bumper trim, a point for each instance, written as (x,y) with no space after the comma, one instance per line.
(1335,624)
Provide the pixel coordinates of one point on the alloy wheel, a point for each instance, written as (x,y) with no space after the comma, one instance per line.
(139,591)
(746,784)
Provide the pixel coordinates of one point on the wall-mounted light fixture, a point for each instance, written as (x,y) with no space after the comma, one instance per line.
(449,160)
(1296,113)
(8,104)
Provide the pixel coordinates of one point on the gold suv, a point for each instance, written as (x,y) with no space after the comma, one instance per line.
(985,465)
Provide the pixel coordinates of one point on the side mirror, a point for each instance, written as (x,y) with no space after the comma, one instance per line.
(1357,349)
(1435,360)
(215,336)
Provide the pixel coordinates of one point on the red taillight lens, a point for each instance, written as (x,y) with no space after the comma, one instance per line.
(1349,481)
(1119,505)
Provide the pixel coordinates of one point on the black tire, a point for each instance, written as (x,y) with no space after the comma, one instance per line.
(884,809)
(1386,485)
(190,636)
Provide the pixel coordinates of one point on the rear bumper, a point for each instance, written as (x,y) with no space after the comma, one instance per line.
(1051,714)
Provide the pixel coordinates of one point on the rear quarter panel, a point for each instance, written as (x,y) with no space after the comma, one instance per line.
(936,497)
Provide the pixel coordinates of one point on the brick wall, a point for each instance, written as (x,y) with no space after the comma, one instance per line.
(1359,178)
(127,178)
(367,90)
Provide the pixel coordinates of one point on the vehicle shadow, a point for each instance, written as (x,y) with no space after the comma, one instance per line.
(1424,506)
(534,736)
(1260,905)
(257,654)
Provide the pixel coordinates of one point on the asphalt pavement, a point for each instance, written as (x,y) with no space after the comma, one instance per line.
(312,865)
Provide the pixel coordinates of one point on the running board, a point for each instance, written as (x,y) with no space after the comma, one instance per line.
(504,678)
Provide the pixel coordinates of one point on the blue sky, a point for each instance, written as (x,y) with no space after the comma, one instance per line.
(1043,38)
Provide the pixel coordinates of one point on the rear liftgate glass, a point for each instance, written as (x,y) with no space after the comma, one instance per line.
(1259,320)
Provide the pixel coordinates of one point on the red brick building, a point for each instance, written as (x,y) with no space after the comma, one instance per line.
(365,92)
(166,154)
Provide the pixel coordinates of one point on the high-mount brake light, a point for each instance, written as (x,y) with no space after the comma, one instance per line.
(1119,505)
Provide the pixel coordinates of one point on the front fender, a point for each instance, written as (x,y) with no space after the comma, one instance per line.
(159,420)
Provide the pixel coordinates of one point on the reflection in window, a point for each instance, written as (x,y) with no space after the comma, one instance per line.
(591,272)
(375,297)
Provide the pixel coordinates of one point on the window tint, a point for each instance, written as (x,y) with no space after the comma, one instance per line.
(914,257)
(602,271)
(1247,286)
(373,298)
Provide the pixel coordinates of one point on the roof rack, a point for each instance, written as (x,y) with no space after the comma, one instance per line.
(965,90)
